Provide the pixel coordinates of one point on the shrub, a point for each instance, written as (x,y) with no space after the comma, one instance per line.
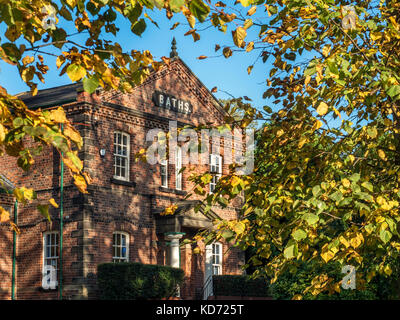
(289,284)
(127,281)
(243,286)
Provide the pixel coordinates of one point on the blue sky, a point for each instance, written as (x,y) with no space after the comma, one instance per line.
(227,74)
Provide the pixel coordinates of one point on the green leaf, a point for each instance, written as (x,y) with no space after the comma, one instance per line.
(393,91)
(90,84)
(316,190)
(368,185)
(158,3)
(227,235)
(355,177)
(385,236)
(199,9)
(299,235)
(291,249)
(59,35)
(138,27)
(176,5)
(372,132)
(337,196)
(44,210)
(310,218)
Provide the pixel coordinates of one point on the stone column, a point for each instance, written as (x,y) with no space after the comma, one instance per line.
(174,247)
(174,253)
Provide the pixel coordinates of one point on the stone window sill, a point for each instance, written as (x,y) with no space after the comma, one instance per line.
(175,191)
(123,182)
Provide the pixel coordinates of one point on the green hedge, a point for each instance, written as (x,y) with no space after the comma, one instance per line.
(127,281)
(243,286)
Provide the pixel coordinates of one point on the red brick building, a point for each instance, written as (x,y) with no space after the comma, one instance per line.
(119,219)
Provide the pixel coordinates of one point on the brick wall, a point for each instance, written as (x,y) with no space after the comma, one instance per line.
(91,219)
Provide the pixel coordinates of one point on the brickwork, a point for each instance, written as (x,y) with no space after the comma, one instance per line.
(111,205)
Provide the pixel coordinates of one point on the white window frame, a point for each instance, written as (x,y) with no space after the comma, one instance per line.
(216,258)
(122,156)
(164,173)
(178,167)
(52,257)
(120,258)
(215,170)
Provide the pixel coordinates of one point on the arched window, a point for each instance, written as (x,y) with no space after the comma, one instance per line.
(120,247)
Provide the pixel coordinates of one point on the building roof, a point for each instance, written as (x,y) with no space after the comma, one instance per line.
(6,184)
(68,93)
(52,96)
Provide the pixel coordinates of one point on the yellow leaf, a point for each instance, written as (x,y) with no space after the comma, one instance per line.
(80,182)
(252,11)
(307,80)
(73,134)
(4,215)
(302,141)
(60,60)
(2,133)
(192,21)
(249,68)
(336,112)
(239,227)
(382,154)
(238,36)
(53,203)
(14,227)
(316,125)
(356,241)
(58,115)
(250,46)
(326,50)
(76,72)
(344,241)
(280,132)
(327,255)
(322,108)
(27,60)
(346,183)
(388,270)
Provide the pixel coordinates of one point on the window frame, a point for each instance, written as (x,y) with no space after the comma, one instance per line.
(178,167)
(44,256)
(127,157)
(164,164)
(114,245)
(219,255)
(216,173)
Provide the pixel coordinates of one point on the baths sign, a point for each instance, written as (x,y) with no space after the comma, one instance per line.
(170,102)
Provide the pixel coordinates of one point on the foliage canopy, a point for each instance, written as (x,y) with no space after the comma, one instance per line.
(326,183)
